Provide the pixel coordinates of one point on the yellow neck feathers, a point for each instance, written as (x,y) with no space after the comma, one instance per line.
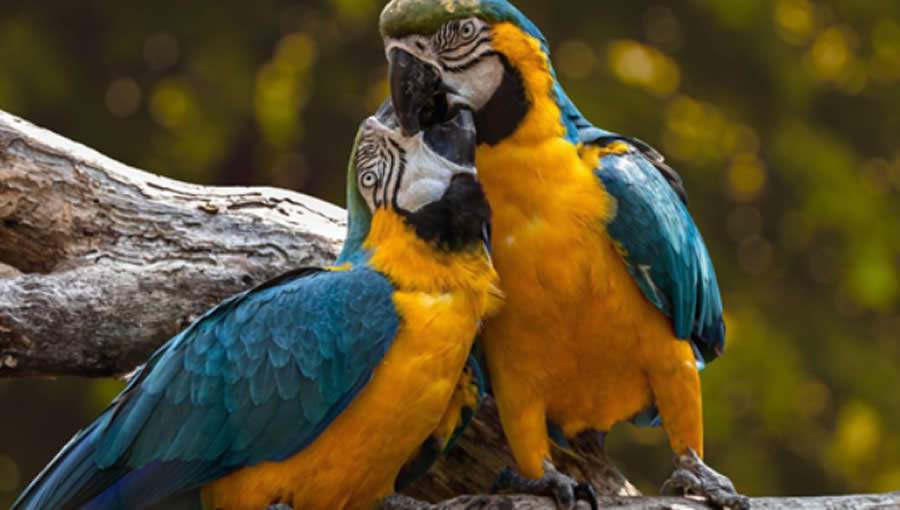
(537,171)
(419,266)
(525,54)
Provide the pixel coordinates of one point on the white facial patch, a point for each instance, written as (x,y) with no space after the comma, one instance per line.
(426,178)
(394,171)
(475,86)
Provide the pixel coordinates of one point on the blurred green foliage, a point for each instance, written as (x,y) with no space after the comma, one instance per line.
(782,115)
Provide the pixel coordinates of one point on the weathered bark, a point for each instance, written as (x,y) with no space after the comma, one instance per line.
(116,260)
(861,502)
(101,263)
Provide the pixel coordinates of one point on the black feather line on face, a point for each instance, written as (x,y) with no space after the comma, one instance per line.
(506,109)
(401,170)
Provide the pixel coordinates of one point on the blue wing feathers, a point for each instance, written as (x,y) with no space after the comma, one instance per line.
(257,378)
(664,250)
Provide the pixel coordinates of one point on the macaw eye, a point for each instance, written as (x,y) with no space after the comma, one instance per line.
(467,31)
(368,179)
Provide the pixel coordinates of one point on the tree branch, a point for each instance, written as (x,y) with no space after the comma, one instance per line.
(101,263)
(859,502)
(116,260)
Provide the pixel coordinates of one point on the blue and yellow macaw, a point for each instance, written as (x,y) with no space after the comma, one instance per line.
(316,388)
(613,305)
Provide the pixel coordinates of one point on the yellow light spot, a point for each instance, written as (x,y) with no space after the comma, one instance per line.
(830,54)
(794,19)
(123,97)
(746,177)
(281,88)
(297,51)
(873,280)
(643,66)
(171,102)
(356,10)
(576,59)
(858,433)
(701,133)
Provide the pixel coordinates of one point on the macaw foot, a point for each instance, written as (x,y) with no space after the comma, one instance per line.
(280,506)
(400,502)
(693,477)
(564,489)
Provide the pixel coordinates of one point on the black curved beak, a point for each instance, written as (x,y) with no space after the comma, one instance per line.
(416,92)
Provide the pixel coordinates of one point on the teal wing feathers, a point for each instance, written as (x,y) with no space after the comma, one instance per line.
(662,247)
(664,250)
(256,379)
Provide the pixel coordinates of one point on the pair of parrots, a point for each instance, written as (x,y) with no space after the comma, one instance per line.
(320,388)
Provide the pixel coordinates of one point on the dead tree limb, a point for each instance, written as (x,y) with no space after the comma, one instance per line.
(861,502)
(101,263)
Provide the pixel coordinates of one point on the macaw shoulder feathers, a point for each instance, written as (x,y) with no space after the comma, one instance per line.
(653,156)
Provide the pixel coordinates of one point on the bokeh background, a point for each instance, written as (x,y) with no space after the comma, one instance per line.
(782,115)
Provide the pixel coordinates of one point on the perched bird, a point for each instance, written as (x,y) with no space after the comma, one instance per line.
(314,389)
(612,301)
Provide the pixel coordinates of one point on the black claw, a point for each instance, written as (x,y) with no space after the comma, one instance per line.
(585,492)
(563,489)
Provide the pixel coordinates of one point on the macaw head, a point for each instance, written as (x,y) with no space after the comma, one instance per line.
(421,177)
(484,55)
